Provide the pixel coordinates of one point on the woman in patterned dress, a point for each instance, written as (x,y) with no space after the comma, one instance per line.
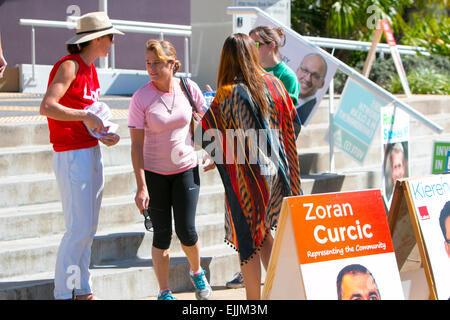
(248,131)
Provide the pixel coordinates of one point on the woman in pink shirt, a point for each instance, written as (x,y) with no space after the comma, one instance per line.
(165,163)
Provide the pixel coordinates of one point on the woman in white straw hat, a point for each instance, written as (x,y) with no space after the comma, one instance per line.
(73,85)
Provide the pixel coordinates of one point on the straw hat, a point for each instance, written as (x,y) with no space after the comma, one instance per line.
(91,26)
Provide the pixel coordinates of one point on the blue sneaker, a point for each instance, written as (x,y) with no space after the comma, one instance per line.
(236,282)
(166,295)
(203,290)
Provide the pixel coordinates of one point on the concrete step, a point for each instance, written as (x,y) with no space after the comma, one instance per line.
(43,219)
(18,134)
(317,159)
(36,132)
(17,252)
(129,279)
(38,159)
(316,135)
(35,255)
(369,178)
(37,220)
(42,188)
(427,105)
(313,150)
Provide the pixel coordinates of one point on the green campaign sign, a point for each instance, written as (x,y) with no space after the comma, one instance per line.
(440,151)
(356,120)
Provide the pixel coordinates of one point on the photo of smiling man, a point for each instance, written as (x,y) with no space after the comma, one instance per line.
(311,75)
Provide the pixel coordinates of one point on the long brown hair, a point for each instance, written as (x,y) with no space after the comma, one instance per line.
(239,61)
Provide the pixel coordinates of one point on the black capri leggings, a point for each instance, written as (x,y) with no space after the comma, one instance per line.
(178,192)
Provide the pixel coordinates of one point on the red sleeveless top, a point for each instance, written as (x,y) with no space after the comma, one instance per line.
(83,91)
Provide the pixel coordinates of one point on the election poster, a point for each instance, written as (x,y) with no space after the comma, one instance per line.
(395,148)
(334,246)
(431,208)
(440,156)
(356,120)
(314,70)
(426,224)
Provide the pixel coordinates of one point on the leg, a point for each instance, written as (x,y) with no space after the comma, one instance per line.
(193,255)
(75,184)
(266,250)
(160,214)
(161,264)
(185,192)
(96,195)
(251,272)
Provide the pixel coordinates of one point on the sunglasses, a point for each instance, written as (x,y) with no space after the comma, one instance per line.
(147,222)
(259,44)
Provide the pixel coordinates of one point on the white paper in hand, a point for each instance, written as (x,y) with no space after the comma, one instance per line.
(102,110)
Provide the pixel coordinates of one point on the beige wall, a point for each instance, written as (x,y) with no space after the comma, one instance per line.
(210,26)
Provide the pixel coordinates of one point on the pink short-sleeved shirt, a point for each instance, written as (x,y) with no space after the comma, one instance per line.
(165,118)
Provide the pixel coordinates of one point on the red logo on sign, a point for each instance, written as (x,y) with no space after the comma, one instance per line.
(423,211)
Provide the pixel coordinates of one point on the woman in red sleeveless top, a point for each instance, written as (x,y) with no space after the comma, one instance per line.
(73,85)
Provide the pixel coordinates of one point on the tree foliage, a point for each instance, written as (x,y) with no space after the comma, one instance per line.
(423,22)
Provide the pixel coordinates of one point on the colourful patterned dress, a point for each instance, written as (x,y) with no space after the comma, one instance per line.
(256,159)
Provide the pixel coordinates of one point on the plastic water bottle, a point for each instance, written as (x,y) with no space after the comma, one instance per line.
(209,97)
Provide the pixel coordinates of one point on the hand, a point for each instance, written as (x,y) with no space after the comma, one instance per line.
(142,199)
(93,122)
(208,163)
(110,139)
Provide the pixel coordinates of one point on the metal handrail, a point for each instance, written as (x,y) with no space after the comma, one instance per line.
(123,25)
(364,46)
(150,24)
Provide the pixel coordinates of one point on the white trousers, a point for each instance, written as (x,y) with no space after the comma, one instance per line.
(79,174)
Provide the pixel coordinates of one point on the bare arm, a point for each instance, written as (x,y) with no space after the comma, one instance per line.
(137,157)
(50,106)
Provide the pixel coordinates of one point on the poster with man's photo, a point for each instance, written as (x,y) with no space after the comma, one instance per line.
(345,248)
(431,199)
(314,71)
(395,148)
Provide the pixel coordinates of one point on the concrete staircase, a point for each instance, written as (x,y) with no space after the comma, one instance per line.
(31,219)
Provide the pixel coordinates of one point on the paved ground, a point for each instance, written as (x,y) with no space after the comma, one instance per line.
(219,293)
(16,107)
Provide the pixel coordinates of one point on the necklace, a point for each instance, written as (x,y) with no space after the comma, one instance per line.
(169,109)
(165,104)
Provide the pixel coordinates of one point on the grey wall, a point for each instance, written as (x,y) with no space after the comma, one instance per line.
(50,41)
